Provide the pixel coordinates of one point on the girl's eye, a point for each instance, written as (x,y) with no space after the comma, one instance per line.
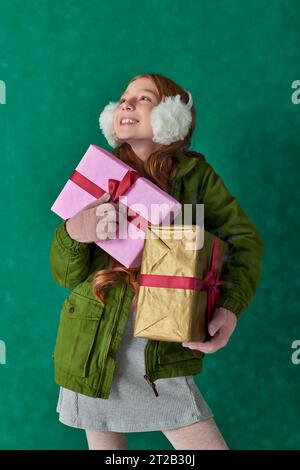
(121,101)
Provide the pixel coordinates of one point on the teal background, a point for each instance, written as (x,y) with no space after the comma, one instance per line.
(62,62)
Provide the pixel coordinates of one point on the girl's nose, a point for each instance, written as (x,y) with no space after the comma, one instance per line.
(126,105)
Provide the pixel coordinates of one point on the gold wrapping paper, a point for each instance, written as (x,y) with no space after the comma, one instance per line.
(176,314)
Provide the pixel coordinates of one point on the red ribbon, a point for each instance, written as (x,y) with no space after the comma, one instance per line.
(116,188)
(210,282)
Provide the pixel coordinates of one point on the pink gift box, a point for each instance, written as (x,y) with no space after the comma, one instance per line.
(91,178)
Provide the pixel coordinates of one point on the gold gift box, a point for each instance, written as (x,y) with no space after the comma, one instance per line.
(177,286)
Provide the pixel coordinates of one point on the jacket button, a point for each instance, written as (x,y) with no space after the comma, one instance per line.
(71,309)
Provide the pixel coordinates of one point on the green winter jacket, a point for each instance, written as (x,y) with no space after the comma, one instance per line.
(89,334)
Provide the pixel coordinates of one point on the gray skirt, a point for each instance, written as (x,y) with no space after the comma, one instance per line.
(132,405)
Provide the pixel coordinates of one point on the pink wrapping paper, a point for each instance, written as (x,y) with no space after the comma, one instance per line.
(98,166)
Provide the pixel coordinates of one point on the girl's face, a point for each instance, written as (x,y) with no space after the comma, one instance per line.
(136,103)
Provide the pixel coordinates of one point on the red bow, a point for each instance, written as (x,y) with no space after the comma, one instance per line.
(116,188)
(210,282)
(119,187)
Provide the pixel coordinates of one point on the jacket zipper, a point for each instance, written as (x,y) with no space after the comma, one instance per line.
(112,335)
(147,375)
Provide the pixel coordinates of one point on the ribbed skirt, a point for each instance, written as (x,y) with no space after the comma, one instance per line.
(132,405)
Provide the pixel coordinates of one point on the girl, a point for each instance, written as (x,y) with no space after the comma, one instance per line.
(150,129)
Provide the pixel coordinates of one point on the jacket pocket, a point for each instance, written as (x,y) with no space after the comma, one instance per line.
(172,352)
(76,335)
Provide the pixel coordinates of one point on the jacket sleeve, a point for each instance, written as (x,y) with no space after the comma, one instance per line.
(69,259)
(225,218)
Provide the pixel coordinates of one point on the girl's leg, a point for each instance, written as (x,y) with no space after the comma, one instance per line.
(202,435)
(106,440)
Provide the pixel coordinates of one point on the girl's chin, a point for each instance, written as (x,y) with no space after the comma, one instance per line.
(124,135)
(121,137)
(125,130)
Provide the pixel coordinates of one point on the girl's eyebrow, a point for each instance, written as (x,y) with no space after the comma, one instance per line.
(144,89)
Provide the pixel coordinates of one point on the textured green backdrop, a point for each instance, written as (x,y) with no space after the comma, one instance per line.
(62,62)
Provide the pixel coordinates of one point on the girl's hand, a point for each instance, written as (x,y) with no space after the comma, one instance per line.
(96,221)
(220,328)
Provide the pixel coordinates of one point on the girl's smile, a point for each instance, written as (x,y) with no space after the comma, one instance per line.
(128,122)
